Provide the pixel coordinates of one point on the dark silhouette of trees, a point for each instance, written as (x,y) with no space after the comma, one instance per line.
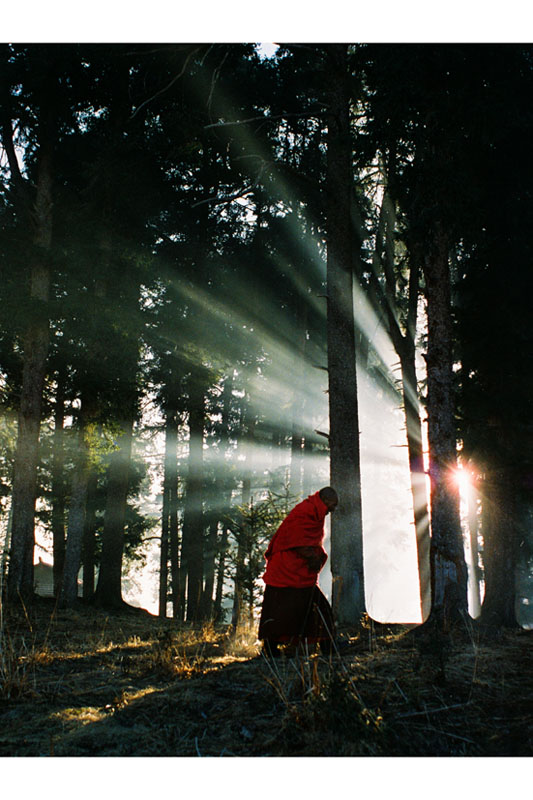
(184,228)
(347,532)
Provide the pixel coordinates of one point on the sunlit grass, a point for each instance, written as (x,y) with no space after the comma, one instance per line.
(141,686)
(320,698)
(81,716)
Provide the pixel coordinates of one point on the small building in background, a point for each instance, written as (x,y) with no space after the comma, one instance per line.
(43,580)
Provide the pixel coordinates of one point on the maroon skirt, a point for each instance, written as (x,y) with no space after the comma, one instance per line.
(290,614)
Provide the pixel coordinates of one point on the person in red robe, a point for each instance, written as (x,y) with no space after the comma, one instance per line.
(294,609)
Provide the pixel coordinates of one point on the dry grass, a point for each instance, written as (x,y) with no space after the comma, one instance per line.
(82,683)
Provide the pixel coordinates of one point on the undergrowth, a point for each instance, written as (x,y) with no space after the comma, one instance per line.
(323,709)
(84,682)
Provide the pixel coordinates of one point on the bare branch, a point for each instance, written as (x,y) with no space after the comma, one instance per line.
(167,87)
(214,79)
(308,114)
(9,149)
(224,200)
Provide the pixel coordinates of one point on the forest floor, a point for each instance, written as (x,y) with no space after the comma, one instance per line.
(86,683)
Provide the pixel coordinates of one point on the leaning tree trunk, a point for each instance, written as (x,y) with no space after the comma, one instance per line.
(448,567)
(346,523)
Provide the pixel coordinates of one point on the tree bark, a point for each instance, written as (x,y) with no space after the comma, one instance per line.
(193,522)
(76,525)
(221,574)
(223,489)
(500,548)
(238,581)
(169,519)
(58,484)
(346,522)
(89,537)
(109,587)
(248,432)
(209,577)
(164,553)
(448,567)
(171,478)
(35,355)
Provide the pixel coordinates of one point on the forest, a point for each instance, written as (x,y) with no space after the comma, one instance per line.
(230,276)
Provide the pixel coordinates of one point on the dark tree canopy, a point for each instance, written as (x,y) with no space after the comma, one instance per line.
(187,231)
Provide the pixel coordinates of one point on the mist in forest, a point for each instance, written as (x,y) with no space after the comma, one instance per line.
(392,582)
(259,275)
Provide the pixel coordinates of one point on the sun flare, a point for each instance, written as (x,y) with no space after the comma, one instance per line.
(464,480)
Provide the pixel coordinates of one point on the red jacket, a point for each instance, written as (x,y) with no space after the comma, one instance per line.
(303,527)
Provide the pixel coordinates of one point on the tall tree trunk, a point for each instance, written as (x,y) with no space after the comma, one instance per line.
(449,576)
(276,456)
(76,520)
(298,402)
(405,346)
(473,530)
(89,537)
(297,454)
(164,553)
(223,489)
(169,519)
(171,477)
(238,587)
(346,523)
(193,521)
(309,479)
(58,484)
(406,349)
(221,573)
(209,577)
(500,550)
(248,432)
(35,355)
(109,587)
(5,552)
(417,474)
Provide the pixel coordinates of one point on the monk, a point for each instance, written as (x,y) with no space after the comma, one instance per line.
(294,609)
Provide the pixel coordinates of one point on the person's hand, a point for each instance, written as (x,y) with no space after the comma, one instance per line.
(314,558)
(314,563)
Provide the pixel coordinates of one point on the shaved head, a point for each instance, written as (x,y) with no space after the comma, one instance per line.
(329,497)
